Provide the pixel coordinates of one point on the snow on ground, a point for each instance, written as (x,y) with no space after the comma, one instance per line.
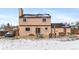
(43,44)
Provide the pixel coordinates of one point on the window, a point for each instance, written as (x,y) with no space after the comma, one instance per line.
(24,19)
(46,28)
(27,29)
(44,19)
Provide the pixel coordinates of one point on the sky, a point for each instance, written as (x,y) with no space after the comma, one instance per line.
(8,15)
(58,15)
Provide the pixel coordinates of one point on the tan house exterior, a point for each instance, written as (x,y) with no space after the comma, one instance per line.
(34,24)
(40,24)
(59,28)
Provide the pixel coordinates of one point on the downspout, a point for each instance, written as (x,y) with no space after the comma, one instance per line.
(51,30)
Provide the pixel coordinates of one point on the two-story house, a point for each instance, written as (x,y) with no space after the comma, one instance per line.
(34,24)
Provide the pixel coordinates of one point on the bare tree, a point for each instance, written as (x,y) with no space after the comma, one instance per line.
(77,25)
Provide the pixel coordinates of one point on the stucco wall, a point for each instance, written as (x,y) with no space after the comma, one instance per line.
(68,30)
(35,21)
(43,31)
(58,30)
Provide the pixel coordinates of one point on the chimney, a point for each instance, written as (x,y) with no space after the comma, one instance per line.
(20,12)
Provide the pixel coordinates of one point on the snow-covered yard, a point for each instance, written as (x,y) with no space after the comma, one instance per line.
(38,44)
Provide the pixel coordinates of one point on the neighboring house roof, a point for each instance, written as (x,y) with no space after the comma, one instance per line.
(36,15)
(59,25)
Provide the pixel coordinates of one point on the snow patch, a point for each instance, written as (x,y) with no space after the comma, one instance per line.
(43,44)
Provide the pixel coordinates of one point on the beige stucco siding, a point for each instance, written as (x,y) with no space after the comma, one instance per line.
(43,31)
(23,31)
(35,21)
(68,30)
(57,30)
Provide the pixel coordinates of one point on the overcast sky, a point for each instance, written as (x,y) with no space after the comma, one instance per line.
(10,15)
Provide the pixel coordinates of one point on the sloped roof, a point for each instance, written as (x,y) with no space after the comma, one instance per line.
(59,25)
(36,15)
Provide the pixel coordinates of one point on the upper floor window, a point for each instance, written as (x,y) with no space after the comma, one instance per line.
(44,19)
(24,19)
